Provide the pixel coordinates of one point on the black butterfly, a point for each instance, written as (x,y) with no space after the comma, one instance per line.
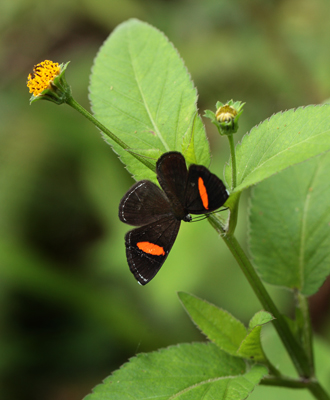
(159,212)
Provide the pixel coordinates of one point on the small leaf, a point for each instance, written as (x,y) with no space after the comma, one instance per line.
(279,142)
(290,226)
(260,318)
(186,372)
(217,324)
(141,91)
(250,347)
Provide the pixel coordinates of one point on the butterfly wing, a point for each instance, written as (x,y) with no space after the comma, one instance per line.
(172,176)
(143,204)
(205,192)
(147,247)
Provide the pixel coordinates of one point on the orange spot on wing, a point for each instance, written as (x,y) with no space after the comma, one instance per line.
(203,193)
(151,248)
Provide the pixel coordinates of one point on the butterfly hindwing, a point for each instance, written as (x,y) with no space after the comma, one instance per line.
(144,203)
(205,192)
(147,247)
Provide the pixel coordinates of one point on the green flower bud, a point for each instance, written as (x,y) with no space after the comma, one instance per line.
(226,117)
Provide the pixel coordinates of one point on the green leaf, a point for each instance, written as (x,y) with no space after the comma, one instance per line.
(260,318)
(185,372)
(218,325)
(141,91)
(290,226)
(250,347)
(281,141)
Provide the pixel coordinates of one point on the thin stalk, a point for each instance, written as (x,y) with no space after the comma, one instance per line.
(272,370)
(233,203)
(305,326)
(295,351)
(232,221)
(72,102)
(285,381)
(313,386)
(318,392)
(233,161)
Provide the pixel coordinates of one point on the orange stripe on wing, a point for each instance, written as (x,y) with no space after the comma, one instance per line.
(151,248)
(203,193)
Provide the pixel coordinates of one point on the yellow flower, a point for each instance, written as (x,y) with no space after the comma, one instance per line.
(47,82)
(42,76)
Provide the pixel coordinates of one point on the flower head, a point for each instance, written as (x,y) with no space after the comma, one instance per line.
(226,117)
(47,82)
(42,75)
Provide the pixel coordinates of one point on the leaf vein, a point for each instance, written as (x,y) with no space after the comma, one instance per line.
(156,130)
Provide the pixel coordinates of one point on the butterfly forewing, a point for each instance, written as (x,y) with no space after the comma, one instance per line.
(205,192)
(144,203)
(147,247)
(172,176)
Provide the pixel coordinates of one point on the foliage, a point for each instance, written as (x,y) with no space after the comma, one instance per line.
(141,92)
(299,220)
(150,99)
(70,311)
(186,371)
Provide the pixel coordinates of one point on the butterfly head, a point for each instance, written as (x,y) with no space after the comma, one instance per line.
(187,218)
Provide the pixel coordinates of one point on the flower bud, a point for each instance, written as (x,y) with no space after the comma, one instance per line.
(226,117)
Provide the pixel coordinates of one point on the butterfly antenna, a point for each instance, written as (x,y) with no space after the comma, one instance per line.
(201,217)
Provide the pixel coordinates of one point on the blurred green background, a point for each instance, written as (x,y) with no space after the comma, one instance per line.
(70,310)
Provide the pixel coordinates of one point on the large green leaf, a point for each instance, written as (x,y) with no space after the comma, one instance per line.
(281,141)
(186,372)
(141,91)
(217,324)
(290,226)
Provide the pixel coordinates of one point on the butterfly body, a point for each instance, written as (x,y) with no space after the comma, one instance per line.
(159,213)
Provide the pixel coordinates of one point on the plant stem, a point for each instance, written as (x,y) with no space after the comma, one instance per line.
(72,102)
(314,387)
(232,221)
(305,326)
(285,381)
(295,351)
(233,161)
(318,392)
(233,202)
(272,370)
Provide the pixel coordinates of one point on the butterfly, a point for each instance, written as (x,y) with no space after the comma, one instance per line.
(159,213)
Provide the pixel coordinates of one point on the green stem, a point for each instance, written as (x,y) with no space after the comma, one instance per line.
(232,203)
(233,161)
(318,392)
(295,351)
(314,387)
(285,381)
(304,321)
(232,221)
(72,102)
(272,370)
